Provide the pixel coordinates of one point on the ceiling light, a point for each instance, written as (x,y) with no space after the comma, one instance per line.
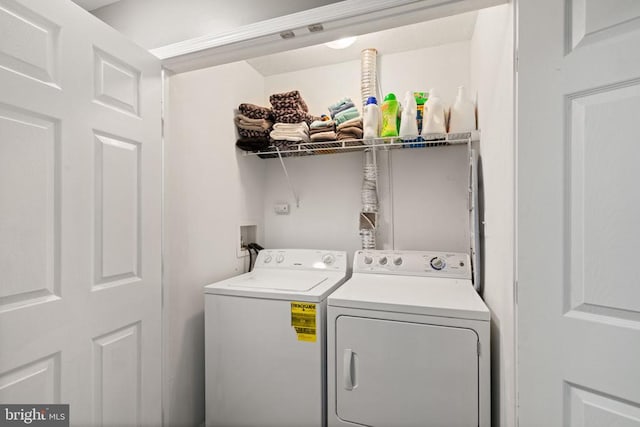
(341,43)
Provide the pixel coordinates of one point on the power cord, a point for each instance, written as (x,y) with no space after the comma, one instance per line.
(253,247)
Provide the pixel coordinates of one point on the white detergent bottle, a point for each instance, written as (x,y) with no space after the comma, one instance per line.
(434,121)
(408,119)
(371,120)
(462,117)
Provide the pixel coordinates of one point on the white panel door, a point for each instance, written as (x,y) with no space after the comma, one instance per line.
(579,213)
(391,373)
(80,192)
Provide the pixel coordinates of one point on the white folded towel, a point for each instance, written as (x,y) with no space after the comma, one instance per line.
(294,132)
(292,126)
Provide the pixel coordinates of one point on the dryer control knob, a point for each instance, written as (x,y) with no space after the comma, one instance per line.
(437,263)
(397,261)
(328,259)
(368,260)
(267,259)
(279,258)
(383,260)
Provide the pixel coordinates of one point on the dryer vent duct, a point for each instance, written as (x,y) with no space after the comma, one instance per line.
(368,216)
(368,75)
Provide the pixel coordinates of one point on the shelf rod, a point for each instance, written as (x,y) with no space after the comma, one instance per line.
(286,174)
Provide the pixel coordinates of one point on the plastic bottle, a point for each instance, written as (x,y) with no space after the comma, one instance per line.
(408,121)
(462,117)
(434,123)
(371,120)
(389,112)
(421,98)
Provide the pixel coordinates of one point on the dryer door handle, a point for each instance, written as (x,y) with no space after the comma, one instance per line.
(349,358)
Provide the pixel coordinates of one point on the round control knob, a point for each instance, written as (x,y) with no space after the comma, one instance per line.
(437,263)
(328,259)
(279,258)
(267,259)
(397,261)
(368,260)
(383,260)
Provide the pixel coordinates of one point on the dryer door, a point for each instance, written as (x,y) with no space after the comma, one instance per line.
(392,373)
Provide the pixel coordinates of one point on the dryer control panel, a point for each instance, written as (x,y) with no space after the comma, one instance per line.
(413,263)
(302,259)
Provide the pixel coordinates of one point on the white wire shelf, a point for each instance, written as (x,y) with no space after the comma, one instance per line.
(345,146)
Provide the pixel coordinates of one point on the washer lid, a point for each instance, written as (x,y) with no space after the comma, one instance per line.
(307,285)
(430,296)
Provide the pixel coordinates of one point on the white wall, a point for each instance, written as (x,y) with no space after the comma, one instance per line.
(492,77)
(425,208)
(209,190)
(155,23)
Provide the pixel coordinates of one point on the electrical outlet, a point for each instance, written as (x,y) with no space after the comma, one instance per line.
(281,208)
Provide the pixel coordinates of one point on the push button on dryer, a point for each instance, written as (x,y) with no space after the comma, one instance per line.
(328,259)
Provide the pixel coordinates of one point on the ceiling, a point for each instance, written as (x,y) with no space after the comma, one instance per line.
(456,28)
(94,4)
(429,33)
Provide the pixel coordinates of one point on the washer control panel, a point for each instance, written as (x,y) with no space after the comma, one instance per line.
(303,259)
(413,263)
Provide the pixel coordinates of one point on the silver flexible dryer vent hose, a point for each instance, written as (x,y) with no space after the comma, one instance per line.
(369,195)
(368,215)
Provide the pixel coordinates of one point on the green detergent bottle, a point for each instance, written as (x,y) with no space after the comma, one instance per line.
(389,111)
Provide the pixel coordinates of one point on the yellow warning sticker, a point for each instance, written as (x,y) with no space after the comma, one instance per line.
(303,320)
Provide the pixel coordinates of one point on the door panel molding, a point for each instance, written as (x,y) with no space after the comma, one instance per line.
(587,407)
(118,247)
(30,46)
(30,200)
(590,21)
(41,376)
(590,149)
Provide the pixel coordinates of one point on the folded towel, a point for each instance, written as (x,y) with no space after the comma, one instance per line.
(292,116)
(255,111)
(322,124)
(245,122)
(334,108)
(324,136)
(288,100)
(352,133)
(345,115)
(342,108)
(253,144)
(356,121)
(319,129)
(249,133)
(354,130)
(291,126)
(316,131)
(290,132)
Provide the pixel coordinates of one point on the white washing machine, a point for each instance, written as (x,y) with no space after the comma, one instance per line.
(408,343)
(265,340)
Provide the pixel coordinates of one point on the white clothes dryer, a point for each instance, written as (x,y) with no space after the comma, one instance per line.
(408,343)
(265,340)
